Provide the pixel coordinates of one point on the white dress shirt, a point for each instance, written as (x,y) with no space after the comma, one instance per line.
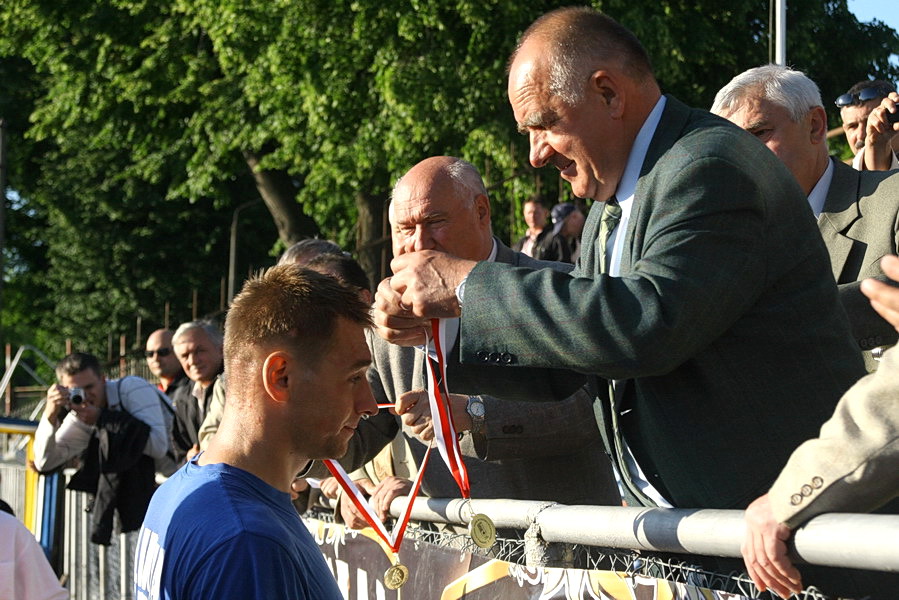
(624,193)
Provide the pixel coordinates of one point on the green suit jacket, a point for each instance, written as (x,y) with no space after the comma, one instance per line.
(860,225)
(726,315)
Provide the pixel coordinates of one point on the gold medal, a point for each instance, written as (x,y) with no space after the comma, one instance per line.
(396,576)
(482,530)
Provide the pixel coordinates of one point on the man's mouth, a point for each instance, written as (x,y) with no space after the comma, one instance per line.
(567,169)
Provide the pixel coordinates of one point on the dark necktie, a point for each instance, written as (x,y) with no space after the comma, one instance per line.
(611,215)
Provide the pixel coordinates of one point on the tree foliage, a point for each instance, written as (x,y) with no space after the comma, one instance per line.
(139,126)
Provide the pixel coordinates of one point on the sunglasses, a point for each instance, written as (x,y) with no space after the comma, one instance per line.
(872,93)
(160,352)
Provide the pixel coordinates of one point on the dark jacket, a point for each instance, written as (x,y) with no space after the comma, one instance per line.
(547,247)
(119,474)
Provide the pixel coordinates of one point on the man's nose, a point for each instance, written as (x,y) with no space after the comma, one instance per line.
(541,151)
(420,239)
(365,401)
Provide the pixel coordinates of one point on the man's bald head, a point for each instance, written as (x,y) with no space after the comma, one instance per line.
(441,204)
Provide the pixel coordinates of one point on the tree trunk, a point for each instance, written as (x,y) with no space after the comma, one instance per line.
(279,195)
(372,237)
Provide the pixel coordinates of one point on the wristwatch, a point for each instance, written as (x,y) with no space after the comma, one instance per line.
(477,411)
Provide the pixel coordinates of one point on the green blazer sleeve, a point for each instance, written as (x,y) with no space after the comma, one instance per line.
(853,465)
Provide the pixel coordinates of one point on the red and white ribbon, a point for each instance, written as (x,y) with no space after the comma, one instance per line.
(395,538)
(444,428)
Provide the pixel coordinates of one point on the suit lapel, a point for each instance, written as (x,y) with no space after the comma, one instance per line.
(675,118)
(840,212)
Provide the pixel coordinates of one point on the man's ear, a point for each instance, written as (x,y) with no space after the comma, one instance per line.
(275,370)
(817,125)
(482,206)
(605,84)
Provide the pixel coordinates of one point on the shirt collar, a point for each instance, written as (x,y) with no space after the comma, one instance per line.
(818,195)
(628,184)
(493,250)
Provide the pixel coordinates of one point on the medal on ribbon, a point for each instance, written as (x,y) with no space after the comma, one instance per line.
(480,528)
(398,574)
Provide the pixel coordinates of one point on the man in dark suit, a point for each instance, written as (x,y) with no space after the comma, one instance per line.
(857,212)
(513,448)
(711,305)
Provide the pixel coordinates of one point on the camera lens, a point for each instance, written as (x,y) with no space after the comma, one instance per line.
(76,396)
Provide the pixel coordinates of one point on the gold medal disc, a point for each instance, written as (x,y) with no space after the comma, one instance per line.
(396,576)
(482,530)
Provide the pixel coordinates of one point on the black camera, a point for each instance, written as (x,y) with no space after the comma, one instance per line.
(892,117)
(76,395)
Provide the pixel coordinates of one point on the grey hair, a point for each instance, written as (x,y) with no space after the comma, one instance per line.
(212,330)
(465,177)
(781,85)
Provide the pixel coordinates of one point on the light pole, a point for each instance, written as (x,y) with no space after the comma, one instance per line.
(232,256)
(3,161)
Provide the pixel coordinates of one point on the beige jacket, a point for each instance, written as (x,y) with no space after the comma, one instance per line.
(853,466)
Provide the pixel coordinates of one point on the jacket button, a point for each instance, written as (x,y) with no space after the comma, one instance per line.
(507,429)
(494,357)
(520,429)
(483,356)
(507,358)
(795,499)
(806,490)
(817,482)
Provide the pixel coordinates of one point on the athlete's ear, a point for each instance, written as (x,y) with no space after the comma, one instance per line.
(275,371)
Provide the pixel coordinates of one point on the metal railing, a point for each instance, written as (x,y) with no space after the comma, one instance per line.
(552,534)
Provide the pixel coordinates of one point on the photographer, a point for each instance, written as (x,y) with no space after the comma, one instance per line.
(116,427)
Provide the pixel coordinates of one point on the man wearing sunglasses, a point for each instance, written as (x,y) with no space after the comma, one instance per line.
(866,110)
(163,362)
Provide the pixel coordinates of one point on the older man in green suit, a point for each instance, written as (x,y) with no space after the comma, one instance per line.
(857,212)
(711,305)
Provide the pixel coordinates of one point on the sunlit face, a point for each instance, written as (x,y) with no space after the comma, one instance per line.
(159,343)
(94,386)
(791,141)
(200,357)
(855,118)
(582,141)
(430,213)
(534,215)
(328,401)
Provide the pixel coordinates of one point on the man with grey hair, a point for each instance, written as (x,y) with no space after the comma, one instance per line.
(857,212)
(198,345)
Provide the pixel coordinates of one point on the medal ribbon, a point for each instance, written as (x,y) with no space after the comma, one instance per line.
(395,538)
(444,429)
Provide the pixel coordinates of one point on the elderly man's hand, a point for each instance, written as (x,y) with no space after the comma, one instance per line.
(415,411)
(423,287)
(764,549)
(885,297)
(384,494)
(394,321)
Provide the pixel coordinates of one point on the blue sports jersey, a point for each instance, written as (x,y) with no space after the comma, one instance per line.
(215,531)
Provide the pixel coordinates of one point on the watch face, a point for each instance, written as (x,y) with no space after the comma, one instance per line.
(476,408)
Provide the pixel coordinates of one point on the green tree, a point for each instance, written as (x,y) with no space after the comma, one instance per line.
(143,124)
